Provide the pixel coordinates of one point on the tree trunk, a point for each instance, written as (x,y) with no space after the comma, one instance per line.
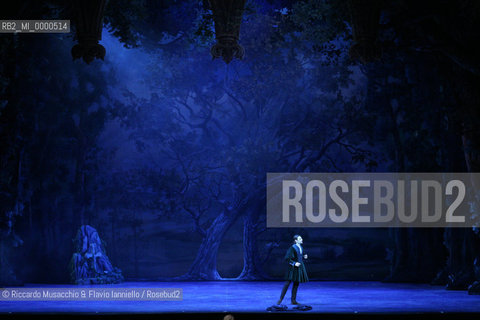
(468,274)
(10,135)
(460,258)
(463,244)
(204,266)
(400,259)
(417,256)
(252,262)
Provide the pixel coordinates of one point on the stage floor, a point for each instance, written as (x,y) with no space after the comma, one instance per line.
(242,296)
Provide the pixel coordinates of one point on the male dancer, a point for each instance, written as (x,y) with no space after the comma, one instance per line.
(296,270)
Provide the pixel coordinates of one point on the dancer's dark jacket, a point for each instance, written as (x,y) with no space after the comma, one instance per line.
(295,274)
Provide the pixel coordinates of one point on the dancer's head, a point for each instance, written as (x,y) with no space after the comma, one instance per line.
(297,239)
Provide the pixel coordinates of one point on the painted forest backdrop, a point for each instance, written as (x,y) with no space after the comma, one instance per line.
(165,151)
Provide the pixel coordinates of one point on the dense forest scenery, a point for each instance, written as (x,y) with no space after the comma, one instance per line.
(155,122)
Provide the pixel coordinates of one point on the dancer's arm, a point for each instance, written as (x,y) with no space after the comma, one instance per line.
(290,258)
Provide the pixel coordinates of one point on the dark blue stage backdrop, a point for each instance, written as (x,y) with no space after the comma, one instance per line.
(134,149)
